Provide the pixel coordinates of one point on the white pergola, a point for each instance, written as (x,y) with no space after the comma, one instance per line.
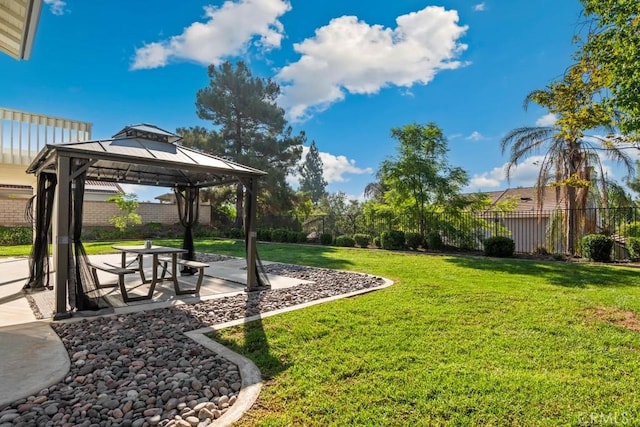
(18,25)
(142,154)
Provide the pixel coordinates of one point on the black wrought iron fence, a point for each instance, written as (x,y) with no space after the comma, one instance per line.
(533,231)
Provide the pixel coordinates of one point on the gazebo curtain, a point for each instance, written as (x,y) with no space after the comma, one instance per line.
(187,200)
(81,279)
(39,258)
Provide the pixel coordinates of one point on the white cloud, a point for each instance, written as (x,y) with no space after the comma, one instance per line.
(480,7)
(547,120)
(522,175)
(57,6)
(228,30)
(487,180)
(475,136)
(334,168)
(351,56)
(133,188)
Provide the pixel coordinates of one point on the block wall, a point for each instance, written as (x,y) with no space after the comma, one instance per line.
(12,212)
(98,213)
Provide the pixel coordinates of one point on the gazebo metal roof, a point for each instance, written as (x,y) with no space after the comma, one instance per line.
(147,155)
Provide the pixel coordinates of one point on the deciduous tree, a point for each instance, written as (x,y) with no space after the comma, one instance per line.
(419,176)
(611,54)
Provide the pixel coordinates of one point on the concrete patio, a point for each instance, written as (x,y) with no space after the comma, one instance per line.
(221,278)
(28,344)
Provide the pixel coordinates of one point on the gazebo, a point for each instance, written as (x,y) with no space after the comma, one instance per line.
(141,154)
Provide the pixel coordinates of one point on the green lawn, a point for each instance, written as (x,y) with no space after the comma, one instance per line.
(456,341)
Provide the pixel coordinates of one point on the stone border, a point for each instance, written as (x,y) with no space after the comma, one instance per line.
(249,372)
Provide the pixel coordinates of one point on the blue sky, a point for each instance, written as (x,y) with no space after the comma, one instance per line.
(349,71)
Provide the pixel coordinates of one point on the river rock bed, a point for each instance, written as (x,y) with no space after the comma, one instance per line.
(140,370)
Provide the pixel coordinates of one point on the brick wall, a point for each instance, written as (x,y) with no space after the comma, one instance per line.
(12,212)
(98,213)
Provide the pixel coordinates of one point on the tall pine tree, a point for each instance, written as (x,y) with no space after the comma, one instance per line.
(311,179)
(250,129)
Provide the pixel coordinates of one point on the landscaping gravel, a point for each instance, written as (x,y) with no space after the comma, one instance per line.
(140,369)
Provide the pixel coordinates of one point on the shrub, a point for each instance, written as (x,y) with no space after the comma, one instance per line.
(280,235)
(264,234)
(326,239)
(597,247)
(296,237)
(128,206)
(300,236)
(632,229)
(633,246)
(499,246)
(362,240)
(103,233)
(10,236)
(433,240)
(392,240)
(413,240)
(292,236)
(345,241)
(199,232)
(235,233)
(376,242)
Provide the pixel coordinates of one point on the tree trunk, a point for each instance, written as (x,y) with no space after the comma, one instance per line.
(571,220)
(575,160)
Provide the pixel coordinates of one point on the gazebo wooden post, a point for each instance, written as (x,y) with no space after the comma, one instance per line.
(251,196)
(61,235)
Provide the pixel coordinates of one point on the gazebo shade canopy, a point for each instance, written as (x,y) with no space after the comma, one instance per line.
(147,155)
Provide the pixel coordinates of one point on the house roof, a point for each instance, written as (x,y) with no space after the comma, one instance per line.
(18,24)
(146,155)
(166,198)
(102,187)
(526,198)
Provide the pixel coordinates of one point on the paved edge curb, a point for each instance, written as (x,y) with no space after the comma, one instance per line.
(249,372)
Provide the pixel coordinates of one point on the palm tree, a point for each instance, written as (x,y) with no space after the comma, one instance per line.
(570,157)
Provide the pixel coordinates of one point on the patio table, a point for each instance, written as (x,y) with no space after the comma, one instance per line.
(154,251)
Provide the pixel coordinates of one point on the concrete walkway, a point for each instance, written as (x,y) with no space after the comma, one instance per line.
(14,307)
(33,358)
(32,355)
